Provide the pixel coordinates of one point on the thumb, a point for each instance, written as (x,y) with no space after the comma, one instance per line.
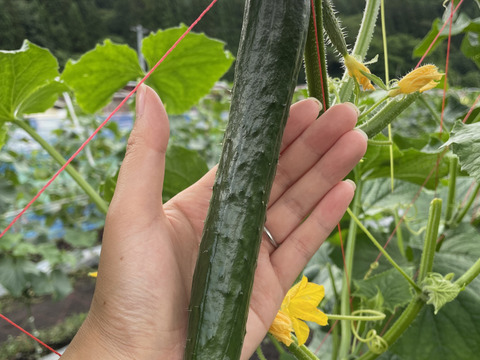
(140,181)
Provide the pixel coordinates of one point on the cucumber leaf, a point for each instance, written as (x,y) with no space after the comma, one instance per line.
(394,288)
(453,333)
(465,143)
(183,167)
(99,73)
(28,82)
(461,24)
(14,273)
(191,69)
(410,164)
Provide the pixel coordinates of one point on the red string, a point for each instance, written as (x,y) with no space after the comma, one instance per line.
(317,42)
(326,336)
(107,119)
(471,109)
(28,334)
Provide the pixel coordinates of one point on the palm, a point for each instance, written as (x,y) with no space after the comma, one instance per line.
(292,198)
(149,249)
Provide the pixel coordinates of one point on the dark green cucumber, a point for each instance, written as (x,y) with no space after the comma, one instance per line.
(268,62)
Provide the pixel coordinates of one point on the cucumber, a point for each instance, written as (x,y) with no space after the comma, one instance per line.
(268,62)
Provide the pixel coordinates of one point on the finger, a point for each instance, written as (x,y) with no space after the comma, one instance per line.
(302,115)
(140,181)
(295,252)
(310,146)
(297,202)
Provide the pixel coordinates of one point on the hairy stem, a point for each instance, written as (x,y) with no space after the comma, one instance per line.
(402,323)
(364,38)
(452,185)
(387,114)
(431,234)
(345,341)
(315,57)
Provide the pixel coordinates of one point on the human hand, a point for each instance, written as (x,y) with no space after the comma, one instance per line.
(149,251)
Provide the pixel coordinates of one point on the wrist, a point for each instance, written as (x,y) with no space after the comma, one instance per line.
(91,342)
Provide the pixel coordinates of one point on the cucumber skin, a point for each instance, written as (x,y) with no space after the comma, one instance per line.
(268,61)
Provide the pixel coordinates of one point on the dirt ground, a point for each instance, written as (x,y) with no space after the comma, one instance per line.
(49,313)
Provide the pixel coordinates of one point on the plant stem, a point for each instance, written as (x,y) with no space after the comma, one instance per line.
(452,184)
(364,38)
(469,275)
(387,81)
(430,243)
(399,233)
(315,63)
(94,196)
(387,114)
(466,207)
(402,323)
(384,252)
(345,341)
(260,354)
(375,316)
(373,107)
(301,352)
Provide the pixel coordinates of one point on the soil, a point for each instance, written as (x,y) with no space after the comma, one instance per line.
(48,313)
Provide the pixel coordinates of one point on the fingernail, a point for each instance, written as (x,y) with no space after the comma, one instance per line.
(140,100)
(351,182)
(362,132)
(320,106)
(354,107)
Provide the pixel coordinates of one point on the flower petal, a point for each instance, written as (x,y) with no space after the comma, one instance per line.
(281,328)
(301,331)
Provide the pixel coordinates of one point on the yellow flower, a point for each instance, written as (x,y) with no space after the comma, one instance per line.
(93,274)
(354,66)
(281,328)
(424,78)
(299,305)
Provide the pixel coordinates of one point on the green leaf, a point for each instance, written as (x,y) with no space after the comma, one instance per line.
(440,290)
(99,73)
(461,24)
(23,72)
(465,143)
(14,272)
(43,98)
(392,285)
(453,333)
(79,238)
(471,47)
(375,79)
(410,165)
(183,168)
(191,69)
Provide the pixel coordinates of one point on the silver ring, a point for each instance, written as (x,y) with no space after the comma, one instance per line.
(270,237)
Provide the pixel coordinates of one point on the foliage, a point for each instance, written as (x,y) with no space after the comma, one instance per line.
(35,258)
(36,261)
